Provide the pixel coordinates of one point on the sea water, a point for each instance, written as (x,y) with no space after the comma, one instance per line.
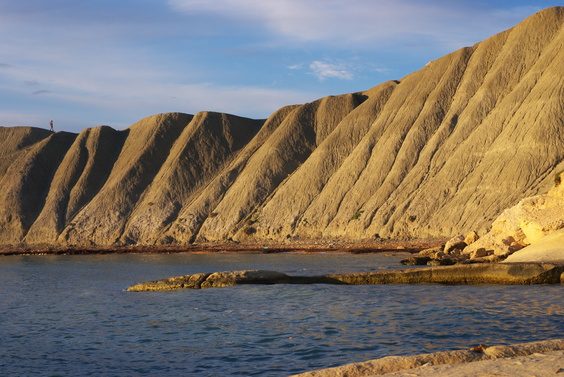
(71,316)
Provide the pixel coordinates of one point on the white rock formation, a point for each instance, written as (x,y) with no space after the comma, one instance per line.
(535,227)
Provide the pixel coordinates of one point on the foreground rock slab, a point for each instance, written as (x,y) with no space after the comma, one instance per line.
(537,364)
(539,356)
(507,273)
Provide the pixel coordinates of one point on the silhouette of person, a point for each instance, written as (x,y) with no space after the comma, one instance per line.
(51,125)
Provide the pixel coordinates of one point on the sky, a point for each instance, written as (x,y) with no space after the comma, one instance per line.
(85,63)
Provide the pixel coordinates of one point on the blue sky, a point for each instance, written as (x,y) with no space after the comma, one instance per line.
(87,63)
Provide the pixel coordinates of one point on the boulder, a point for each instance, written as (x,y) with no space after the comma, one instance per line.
(471,238)
(440,255)
(445,261)
(431,251)
(455,243)
(479,253)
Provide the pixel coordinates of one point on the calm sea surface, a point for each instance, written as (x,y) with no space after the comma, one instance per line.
(71,316)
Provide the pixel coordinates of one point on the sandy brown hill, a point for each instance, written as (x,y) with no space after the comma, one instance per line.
(442,151)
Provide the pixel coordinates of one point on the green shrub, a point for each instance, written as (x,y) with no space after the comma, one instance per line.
(558,178)
(357,215)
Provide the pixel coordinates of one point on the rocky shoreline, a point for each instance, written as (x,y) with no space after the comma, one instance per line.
(413,246)
(542,358)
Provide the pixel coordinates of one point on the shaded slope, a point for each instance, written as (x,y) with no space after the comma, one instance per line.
(80,176)
(247,188)
(15,141)
(26,184)
(146,147)
(290,146)
(208,143)
(443,150)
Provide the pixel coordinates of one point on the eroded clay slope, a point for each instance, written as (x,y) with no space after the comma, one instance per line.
(442,151)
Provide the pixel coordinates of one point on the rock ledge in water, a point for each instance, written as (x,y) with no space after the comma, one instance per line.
(517,273)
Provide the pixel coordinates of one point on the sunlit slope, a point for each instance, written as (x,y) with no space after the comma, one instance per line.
(439,152)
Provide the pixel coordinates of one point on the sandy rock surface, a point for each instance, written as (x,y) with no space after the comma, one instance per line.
(544,358)
(549,249)
(537,364)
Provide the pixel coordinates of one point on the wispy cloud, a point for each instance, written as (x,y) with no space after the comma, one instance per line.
(324,70)
(338,22)
(296,66)
(41,91)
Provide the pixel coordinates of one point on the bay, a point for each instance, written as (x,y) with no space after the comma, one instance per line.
(71,315)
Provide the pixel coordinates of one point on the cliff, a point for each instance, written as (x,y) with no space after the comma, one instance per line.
(442,151)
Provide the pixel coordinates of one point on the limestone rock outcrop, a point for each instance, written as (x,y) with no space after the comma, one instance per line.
(439,152)
(549,249)
(532,229)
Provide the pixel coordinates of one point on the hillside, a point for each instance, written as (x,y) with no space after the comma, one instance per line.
(439,152)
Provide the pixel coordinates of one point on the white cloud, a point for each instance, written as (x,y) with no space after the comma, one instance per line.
(296,66)
(323,70)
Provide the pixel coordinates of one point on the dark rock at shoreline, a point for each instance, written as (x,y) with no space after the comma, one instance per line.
(415,261)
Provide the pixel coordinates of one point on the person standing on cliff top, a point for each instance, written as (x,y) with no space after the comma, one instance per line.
(51,125)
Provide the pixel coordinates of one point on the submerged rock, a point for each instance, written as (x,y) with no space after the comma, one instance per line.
(416,261)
